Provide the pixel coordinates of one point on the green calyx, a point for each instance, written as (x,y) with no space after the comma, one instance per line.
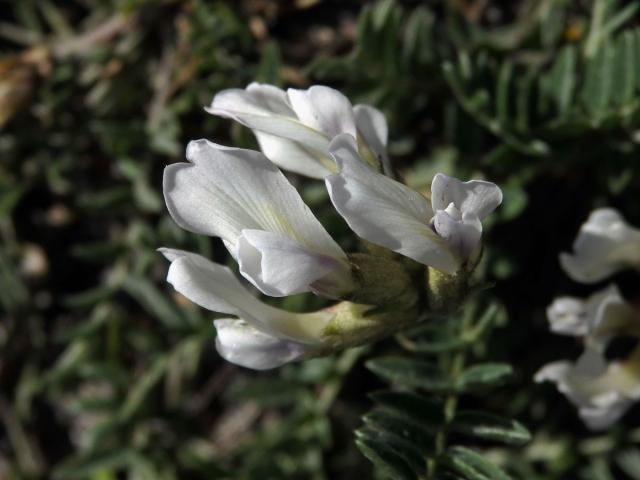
(446,292)
(389,298)
(356,324)
(382,281)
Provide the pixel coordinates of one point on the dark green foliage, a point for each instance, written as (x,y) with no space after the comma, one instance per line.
(419,408)
(467,463)
(421,374)
(490,427)
(410,430)
(105,373)
(426,420)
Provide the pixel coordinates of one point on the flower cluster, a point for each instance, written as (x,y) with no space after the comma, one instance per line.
(242,197)
(601,389)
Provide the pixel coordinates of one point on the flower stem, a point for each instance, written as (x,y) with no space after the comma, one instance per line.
(453,363)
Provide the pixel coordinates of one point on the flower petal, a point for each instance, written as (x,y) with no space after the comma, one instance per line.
(475,196)
(568,316)
(609,315)
(280,266)
(605,245)
(216,288)
(228,190)
(323,109)
(602,393)
(608,409)
(384,211)
(463,236)
(599,318)
(266,108)
(240,343)
(200,196)
(372,127)
(591,363)
(294,156)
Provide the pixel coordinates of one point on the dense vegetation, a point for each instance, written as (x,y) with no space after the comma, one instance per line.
(105,371)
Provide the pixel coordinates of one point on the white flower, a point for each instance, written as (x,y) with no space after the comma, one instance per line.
(602,392)
(294,128)
(443,235)
(241,197)
(598,318)
(605,245)
(262,336)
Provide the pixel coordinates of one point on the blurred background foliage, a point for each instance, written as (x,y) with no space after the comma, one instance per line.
(106,373)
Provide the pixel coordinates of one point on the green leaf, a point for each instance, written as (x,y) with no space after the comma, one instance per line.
(598,85)
(142,388)
(98,251)
(365,29)
(433,338)
(524,89)
(599,13)
(412,372)
(402,447)
(383,13)
(384,458)
(390,41)
(84,467)
(492,316)
(104,200)
(146,197)
(636,62)
(503,92)
(152,300)
(400,426)
(90,297)
(624,69)
(473,104)
(562,78)
(66,364)
(485,375)
(417,407)
(268,392)
(418,41)
(552,24)
(622,16)
(472,465)
(55,18)
(490,427)
(629,463)
(270,64)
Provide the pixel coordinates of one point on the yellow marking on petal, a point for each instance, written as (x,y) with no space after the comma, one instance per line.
(368,155)
(278,223)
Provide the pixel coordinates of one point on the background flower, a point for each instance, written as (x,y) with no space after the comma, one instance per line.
(605,245)
(602,392)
